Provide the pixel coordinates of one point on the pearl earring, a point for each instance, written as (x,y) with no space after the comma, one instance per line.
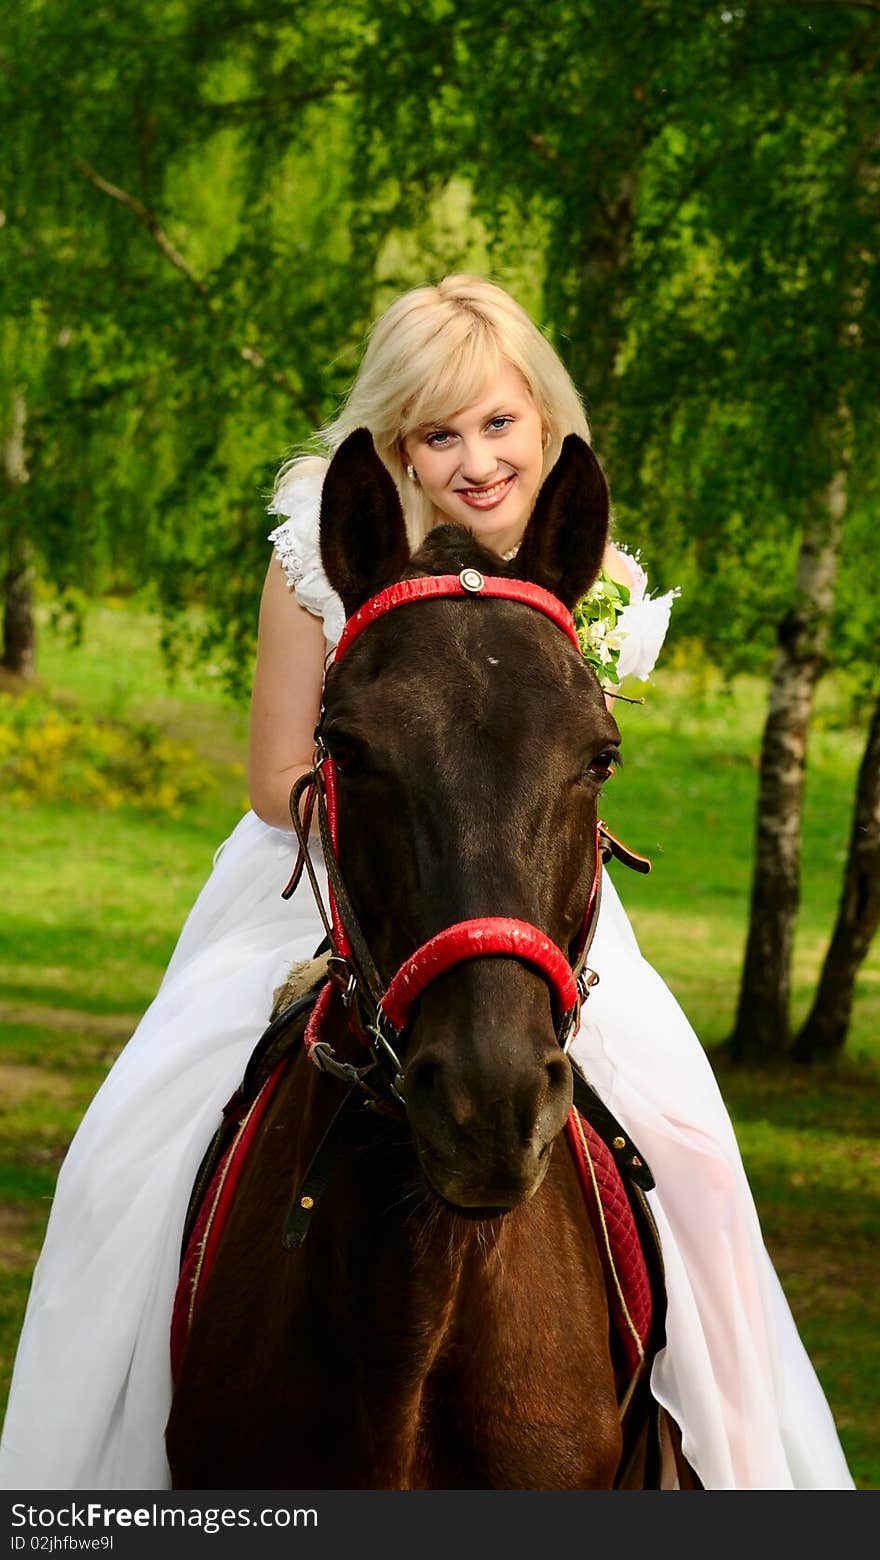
(545,437)
(411,473)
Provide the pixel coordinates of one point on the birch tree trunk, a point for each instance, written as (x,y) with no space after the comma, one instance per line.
(761,1031)
(824,1031)
(19,634)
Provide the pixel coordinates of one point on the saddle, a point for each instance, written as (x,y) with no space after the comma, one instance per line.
(614,1178)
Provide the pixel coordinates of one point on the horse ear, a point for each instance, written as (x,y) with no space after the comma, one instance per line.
(364,544)
(565,538)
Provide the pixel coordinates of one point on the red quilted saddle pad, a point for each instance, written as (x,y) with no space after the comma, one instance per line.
(620,1248)
(216,1203)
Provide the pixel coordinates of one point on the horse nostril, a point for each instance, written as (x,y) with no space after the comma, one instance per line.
(558,1073)
(421,1077)
(556,1102)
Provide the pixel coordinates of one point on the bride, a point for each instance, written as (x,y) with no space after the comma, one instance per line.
(468,406)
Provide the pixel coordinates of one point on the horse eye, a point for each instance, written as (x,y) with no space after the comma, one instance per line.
(604,764)
(345,752)
(344,757)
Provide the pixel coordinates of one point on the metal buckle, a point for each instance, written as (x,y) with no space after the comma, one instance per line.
(376,1030)
(341,972)
(568,1025)
(585,982)
(324,1058)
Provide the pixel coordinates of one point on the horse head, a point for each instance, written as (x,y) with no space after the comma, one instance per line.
(470,742)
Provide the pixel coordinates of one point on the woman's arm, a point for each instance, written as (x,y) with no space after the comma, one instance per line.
(286,698)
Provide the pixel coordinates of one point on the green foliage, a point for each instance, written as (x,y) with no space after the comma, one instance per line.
(701,179)
(48,754)
(596,616)
(206,203)
(185,298)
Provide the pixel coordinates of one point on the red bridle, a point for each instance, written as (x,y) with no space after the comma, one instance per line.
(390,1006)
(470,582)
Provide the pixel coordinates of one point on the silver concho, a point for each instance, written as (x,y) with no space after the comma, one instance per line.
(471,579)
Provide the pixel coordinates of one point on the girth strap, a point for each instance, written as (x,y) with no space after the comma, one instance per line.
(630,1162)
(314,1183)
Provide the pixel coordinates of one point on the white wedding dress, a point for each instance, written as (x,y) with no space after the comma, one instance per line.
(92,1383)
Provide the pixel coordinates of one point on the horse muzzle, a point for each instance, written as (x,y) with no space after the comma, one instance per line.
(470,1197)
(484,1114)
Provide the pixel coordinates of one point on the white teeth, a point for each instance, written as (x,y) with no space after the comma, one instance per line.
(486,492)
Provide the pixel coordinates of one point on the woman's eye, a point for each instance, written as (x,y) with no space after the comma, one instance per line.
(498,424)
(438,439)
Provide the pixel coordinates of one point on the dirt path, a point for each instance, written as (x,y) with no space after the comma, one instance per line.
(109,1026)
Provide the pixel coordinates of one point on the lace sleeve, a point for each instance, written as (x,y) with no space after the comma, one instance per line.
(297,547)
(642,626)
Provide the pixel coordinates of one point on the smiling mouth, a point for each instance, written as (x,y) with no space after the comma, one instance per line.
(486,497)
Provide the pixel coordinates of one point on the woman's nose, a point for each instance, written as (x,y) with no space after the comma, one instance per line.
(478,463)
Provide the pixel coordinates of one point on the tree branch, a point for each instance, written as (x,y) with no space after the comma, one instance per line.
(244,109)
(148,219)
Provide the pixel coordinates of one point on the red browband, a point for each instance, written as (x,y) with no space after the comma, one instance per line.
(470,582)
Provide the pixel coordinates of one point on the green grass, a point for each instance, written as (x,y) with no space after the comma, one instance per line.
(91,903)
(686,797)
(96,900)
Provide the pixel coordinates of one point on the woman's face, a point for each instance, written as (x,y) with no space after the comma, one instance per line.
(482,467)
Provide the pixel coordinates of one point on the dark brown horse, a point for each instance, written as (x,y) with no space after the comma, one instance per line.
(445,1325)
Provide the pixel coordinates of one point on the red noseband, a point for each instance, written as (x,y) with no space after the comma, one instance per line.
(495,934)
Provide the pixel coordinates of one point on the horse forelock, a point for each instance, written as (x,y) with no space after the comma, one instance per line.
(449,548)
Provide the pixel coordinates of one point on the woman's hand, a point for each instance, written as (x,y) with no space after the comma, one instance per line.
(286,698)
(620,569)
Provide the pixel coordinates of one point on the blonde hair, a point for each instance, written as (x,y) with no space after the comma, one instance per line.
(430,355)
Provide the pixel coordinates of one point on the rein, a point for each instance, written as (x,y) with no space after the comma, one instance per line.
(380,1013)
